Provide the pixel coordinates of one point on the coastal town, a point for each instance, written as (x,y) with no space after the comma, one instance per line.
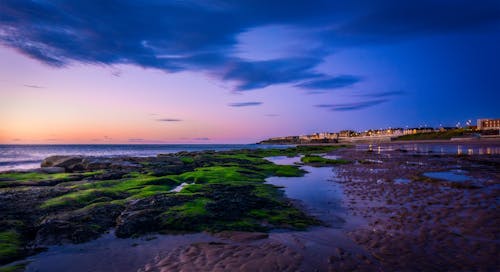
(485,127)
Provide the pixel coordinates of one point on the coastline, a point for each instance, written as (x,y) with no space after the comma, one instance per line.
(388,188)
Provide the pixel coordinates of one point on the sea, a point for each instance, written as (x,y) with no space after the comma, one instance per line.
(24,157)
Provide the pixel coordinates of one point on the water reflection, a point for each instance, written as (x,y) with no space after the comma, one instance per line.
(455,176)
(433,148)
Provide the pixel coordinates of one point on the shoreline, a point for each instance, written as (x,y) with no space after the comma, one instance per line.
(404,211)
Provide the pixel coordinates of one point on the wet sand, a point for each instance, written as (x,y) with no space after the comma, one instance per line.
(425,224)
(382,213)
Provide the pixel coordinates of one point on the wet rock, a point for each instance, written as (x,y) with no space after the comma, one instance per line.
(142,216)
(69,163)
(239,198)
(52,170)
(109,175)
(77,226)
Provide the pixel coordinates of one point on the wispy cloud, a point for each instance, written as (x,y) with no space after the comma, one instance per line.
(245,104)
(136,140)
(33,86)
(330,83)
(201,139)
(352,106)
(381,94)
(169,120)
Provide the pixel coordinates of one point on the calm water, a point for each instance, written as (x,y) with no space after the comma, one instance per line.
(486,148)
(13,157)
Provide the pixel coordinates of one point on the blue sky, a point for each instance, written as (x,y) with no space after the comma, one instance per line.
(240,71)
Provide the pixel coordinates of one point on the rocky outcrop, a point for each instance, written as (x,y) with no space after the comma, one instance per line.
(79,163)
(77,226)
(142,216)
(69,163)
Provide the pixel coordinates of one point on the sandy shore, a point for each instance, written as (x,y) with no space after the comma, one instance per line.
(413,222)
(424,224)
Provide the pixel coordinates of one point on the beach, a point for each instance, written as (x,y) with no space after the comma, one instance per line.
(377,207)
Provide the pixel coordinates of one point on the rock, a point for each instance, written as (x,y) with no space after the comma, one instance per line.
(137,222)
(77,226)
(69,163)
(52,170)
(142,216)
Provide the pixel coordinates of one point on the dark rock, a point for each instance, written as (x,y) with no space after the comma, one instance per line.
(141,216)
(69,163)
(109,175)
(230,202)
(77,226)
(52,170)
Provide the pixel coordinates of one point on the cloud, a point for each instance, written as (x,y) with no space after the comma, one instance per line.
(201,139)
(352,106)
(245,104)
(260,74)
(335,82)
(136,140)
(33,86)
(175,36)
(168,120)
(382,94)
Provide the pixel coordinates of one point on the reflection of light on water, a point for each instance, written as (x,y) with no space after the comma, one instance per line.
(460,149)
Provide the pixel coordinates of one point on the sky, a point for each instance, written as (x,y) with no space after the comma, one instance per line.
(183,71)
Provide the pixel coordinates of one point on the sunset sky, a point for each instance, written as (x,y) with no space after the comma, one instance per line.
(241,71)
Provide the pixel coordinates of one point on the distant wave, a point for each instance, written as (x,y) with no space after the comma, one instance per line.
(12,163)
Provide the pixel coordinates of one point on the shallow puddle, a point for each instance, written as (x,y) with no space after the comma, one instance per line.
(109,253)
(454,176)
(284,160)
(321,197)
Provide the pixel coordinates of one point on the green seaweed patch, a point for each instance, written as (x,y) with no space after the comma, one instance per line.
(188,216)
(10,245)
(187,160)
(281,170)
(33,176)
(219,174)
(138,186)
(81,198)
(320,161)
(437,135)
(301,149)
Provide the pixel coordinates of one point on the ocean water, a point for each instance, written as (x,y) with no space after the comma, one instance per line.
(17,157)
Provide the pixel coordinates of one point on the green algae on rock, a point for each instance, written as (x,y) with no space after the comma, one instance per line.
(220,191)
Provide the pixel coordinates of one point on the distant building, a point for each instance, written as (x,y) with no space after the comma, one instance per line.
(488,124)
